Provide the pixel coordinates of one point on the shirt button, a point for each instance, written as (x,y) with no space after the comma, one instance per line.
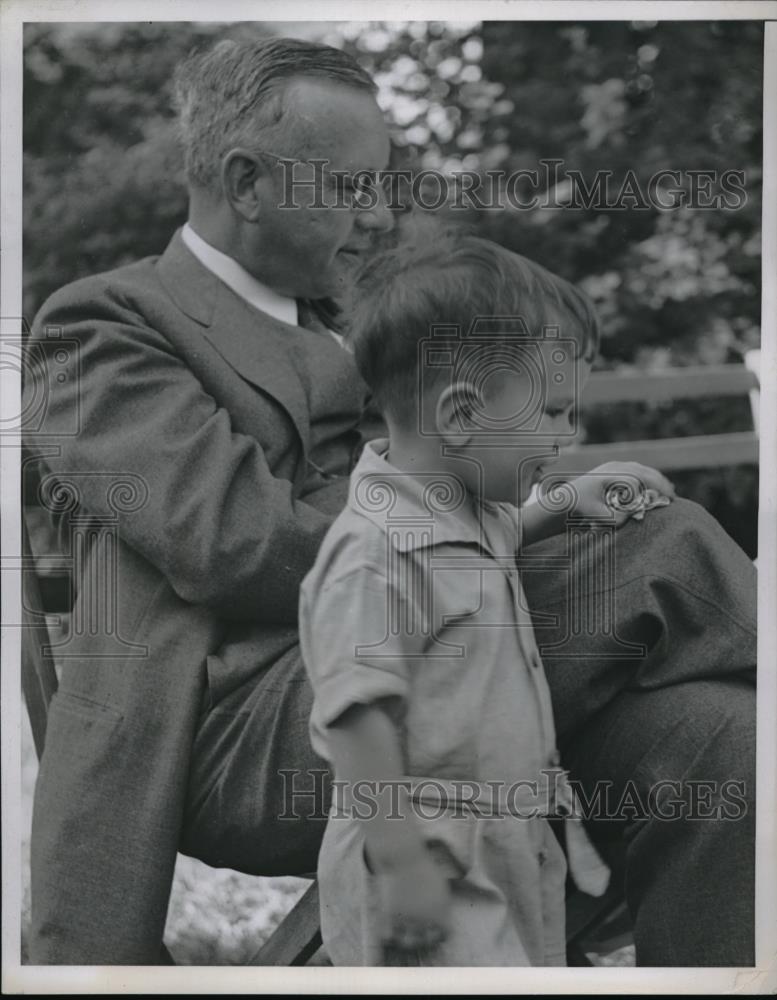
(535,660)
(542,856)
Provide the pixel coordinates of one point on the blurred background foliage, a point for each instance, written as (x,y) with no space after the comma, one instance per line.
(103,179)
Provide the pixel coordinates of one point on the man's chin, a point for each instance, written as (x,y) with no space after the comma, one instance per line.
(327,286)
(349,264)
(339,279)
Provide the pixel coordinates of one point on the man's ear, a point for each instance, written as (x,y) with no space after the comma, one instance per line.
(243,177)
(454,413)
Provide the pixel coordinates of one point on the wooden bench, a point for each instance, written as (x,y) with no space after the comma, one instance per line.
(669,454)
(298,936)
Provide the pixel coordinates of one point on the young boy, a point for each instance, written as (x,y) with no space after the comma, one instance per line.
(429,694)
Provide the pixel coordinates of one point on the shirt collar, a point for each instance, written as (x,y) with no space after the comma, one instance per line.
(419,510)
(239,280)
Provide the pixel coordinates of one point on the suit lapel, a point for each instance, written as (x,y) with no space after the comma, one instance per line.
(249,340)
(253,344)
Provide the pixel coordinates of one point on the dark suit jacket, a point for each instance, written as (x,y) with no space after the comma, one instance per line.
(191,397)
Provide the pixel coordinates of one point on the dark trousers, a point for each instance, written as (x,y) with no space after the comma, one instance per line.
(649,643)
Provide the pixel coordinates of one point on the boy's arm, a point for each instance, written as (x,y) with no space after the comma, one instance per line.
(414,896)
(586,496)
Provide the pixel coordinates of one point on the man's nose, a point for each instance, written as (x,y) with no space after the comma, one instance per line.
(378,219)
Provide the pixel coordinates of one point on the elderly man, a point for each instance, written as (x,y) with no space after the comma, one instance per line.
(212,380)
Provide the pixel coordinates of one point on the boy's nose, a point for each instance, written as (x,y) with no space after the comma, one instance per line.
(564,424)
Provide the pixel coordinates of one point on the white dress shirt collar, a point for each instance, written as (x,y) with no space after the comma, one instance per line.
(239,280)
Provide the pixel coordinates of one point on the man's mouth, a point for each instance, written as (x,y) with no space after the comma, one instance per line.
(352,253)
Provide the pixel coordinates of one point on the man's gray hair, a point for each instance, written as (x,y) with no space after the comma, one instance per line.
(225,94)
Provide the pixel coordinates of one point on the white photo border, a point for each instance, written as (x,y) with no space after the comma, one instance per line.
(17,978)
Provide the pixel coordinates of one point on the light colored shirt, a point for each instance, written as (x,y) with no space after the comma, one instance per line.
(415,597)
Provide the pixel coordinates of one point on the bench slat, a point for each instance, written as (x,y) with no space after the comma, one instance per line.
(710,451)
(297,937)
(669,385)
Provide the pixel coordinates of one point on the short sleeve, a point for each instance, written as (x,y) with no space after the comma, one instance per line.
(354,645)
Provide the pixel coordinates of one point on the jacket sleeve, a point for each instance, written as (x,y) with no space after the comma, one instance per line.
(213,519)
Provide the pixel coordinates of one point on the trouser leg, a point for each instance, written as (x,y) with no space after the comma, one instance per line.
(674,770)
(258,794)
(650,649)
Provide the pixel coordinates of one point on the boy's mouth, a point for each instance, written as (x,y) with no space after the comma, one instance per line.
(542,469)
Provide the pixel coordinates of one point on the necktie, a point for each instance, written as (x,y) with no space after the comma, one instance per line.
(317,314)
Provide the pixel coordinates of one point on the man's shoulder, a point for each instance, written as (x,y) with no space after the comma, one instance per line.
(119,285)
(160,292)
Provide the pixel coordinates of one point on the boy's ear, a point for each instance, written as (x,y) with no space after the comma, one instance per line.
(455,413)
(243,177)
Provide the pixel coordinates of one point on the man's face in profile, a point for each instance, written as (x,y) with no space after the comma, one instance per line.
(315,249)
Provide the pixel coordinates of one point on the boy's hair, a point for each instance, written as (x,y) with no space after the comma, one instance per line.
(443,278)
